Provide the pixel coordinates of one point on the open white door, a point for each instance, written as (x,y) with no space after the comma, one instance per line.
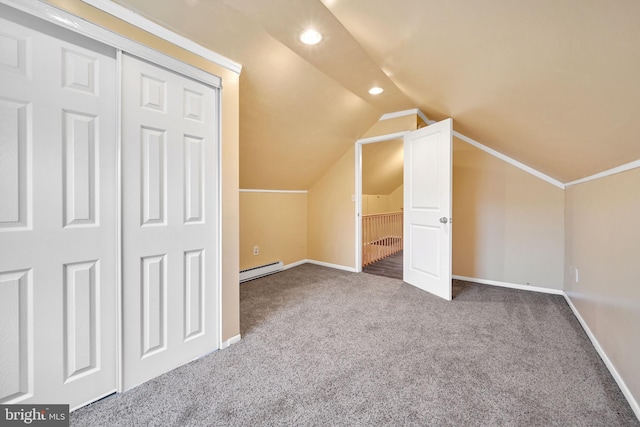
(427,208)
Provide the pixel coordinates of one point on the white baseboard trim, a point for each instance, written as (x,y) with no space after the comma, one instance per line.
(616,376)
(230,341)
(510,285)
(295,264)
(614,373)
(336,266)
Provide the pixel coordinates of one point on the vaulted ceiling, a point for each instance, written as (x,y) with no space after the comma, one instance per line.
(552,84)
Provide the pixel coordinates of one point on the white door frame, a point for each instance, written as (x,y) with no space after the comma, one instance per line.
(78,25)
(357,198)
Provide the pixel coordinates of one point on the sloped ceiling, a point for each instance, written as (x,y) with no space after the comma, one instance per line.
(551,84)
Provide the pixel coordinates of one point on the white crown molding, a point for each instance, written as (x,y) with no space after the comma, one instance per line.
(255,190)
(141,22)
(425,119)
(468,140)
(509,160)
(381,138)
(403,113)
(614,372)
(397,114)
(78,25)
(510,285)
(612,171)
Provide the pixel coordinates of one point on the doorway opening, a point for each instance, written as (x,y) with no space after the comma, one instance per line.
(382,199)
(426,204)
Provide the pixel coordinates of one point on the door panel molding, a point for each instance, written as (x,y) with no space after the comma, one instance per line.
(79,171)
(427,208)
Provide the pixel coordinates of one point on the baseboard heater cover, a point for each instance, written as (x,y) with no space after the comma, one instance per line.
(260,271)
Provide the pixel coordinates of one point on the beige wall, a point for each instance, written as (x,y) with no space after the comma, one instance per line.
(277,224)
(603,243)
(396,199)
(230,139)
(375,204)
(508,225)
(331,214)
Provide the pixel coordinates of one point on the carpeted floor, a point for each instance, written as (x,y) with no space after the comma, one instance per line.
(327,347)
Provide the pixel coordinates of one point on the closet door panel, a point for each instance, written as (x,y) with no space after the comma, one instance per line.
(169,155)
(58,227)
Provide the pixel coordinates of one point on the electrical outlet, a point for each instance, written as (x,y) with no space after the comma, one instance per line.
(577,276)
(256,250)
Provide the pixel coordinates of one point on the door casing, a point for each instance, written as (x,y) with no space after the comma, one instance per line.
(357,196)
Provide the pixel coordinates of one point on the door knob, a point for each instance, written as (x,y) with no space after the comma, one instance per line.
(444,220)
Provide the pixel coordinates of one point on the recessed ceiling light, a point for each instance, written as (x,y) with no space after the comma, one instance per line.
(376,90)
(310,37)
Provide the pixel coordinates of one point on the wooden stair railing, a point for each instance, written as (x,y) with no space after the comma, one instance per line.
(381,236)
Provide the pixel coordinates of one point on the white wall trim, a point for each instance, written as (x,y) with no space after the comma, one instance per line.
(357,193)
(294,264)
(254,190)
(618,169)
(397,114)
(78,25)
(614,373)
(612,171)
(140,21)
(119,236)
(357,198)
(616,376)
(335,266)
(425,119)
(509,160)
(475,143)
(219,220)
(381,138)
(230,341)
(509,285)
(403,113)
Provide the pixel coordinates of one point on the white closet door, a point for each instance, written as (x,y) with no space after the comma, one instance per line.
(170,191)
(57,214)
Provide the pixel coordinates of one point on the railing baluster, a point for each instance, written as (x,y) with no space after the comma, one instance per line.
(381,236)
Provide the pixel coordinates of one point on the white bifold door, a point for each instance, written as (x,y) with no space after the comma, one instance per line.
(170,190)
(427,208)
(57,214)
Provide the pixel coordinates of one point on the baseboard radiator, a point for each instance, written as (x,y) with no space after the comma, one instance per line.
(259,271)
